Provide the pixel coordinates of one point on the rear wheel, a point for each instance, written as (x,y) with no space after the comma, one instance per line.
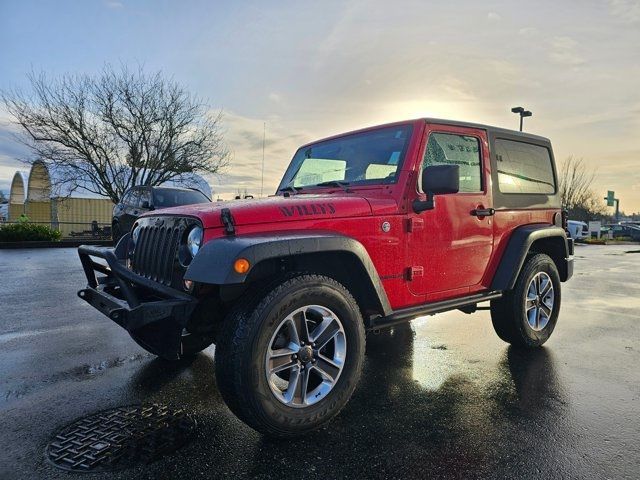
(527,315)
(290,357)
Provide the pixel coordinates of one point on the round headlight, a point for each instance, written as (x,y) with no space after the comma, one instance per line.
(194,240)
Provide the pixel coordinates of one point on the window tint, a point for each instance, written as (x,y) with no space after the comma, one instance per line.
(461,150)
(133,197)
(524,168)
(145,196)
(173,197)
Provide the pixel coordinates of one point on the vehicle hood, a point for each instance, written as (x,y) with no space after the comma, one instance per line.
(275,209)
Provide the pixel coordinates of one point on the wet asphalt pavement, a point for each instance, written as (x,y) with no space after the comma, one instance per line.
(441,398)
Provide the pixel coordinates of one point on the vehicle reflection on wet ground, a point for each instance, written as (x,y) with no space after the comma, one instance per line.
(442,397)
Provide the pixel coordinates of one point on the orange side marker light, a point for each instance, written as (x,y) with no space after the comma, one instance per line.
(241,265)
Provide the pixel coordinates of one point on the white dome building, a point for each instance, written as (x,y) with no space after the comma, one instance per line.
(18,194)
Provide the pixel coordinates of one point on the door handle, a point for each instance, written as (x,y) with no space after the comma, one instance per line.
(483,212)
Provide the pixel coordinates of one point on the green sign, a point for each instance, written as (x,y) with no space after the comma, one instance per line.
(610,198)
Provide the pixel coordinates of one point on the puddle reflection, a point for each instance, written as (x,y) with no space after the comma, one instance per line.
(447,415)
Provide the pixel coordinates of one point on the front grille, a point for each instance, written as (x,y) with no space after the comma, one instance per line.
(155,252)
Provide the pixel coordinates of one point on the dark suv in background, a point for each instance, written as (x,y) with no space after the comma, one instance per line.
(625,230)
(142,199)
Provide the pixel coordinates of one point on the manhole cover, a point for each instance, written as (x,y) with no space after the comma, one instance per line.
(120,438)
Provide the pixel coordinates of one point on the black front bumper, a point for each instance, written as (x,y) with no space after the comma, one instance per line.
(153,314)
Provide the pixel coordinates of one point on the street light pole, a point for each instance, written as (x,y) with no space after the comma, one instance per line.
(522,112)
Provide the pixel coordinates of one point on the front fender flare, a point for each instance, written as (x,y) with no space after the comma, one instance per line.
(214,262)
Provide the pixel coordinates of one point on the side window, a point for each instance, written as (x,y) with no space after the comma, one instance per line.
(134,198)
(127,198)
(524,168)
(461,150)
(145,196)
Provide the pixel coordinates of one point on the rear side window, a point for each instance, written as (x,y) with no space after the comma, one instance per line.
(524,168)
(461,150)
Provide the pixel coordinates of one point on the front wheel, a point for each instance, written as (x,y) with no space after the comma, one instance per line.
(527,315)
(290,357)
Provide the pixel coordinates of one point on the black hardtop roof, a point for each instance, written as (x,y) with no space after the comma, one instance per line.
(440,121)
(497,130)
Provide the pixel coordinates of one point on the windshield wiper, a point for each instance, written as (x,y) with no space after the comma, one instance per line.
(334,183)
(290,188)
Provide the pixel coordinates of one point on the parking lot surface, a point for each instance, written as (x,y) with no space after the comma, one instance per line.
(443,397)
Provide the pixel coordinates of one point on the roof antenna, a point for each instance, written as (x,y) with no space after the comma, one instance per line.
(264,134)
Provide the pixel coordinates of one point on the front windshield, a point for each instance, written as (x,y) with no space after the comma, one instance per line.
(169,197)
(362,158)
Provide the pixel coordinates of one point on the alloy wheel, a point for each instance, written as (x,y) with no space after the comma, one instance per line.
(539,301)
(306,356)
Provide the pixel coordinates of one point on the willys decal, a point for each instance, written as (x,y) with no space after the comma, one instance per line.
(309,209)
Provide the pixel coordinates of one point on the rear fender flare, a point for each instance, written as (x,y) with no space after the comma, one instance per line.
(517,250)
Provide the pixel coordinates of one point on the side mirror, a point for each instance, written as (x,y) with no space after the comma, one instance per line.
(437,180)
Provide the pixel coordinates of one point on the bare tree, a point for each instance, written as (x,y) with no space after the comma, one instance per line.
(576,192)
(117,129)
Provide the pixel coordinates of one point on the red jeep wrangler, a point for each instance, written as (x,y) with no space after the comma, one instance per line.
(367,229)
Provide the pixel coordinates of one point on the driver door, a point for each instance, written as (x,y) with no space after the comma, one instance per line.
(450,245)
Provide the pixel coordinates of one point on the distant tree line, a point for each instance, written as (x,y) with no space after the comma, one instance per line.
(576,191)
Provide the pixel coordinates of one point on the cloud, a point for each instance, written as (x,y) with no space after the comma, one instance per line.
(458,89)
(113,4)
(628,11)
(528,31)
(563,52)
(12,152)
(493,17)
(244,137)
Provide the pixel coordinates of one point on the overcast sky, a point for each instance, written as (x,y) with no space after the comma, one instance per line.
(311,69)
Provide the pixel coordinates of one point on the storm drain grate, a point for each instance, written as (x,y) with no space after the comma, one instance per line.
(120,438)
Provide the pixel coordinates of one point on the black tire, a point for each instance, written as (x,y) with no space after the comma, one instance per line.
(508,313)
(242,348)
